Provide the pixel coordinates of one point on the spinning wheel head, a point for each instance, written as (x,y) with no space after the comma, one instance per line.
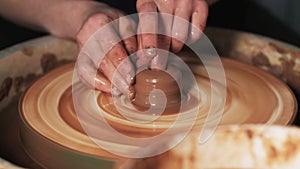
(49,117)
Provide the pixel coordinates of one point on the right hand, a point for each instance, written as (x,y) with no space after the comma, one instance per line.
(96,64)
(180,22)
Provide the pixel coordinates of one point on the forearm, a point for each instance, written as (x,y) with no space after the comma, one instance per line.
(62,18)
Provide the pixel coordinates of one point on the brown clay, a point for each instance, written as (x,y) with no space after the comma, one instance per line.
(148,81)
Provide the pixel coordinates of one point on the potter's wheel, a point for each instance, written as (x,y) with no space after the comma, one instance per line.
(254,96)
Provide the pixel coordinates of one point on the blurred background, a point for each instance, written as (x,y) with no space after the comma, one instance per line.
(278,19)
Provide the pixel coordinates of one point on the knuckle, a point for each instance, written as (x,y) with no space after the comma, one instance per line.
(103,64)
(130,46)
(80,39)
(201,6)
(127,23)
(166,5)
(99,19)
(145,7)
(91,25)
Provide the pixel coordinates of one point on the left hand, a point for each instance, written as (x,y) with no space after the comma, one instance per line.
(110,38)
(178,27)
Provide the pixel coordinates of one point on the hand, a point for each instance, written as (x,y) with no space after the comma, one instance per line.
(104,63)
(176,25)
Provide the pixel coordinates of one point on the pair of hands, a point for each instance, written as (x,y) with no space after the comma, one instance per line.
(101,73)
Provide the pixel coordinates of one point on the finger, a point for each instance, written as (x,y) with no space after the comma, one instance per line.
(180,25)
(198,19)
(147,31)
(166,10)
(91,25)
(160,60)
(130,44)
(121,63)
(127,29)
(86,65)
(94,53)
(165,34)
(92,50)
(115,59)
(89,75)
(114,75)
(102,43)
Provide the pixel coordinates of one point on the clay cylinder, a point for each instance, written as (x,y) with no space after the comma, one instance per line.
(163,86)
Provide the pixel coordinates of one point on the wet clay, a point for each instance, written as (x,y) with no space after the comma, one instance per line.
(156,89)
(47,108)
